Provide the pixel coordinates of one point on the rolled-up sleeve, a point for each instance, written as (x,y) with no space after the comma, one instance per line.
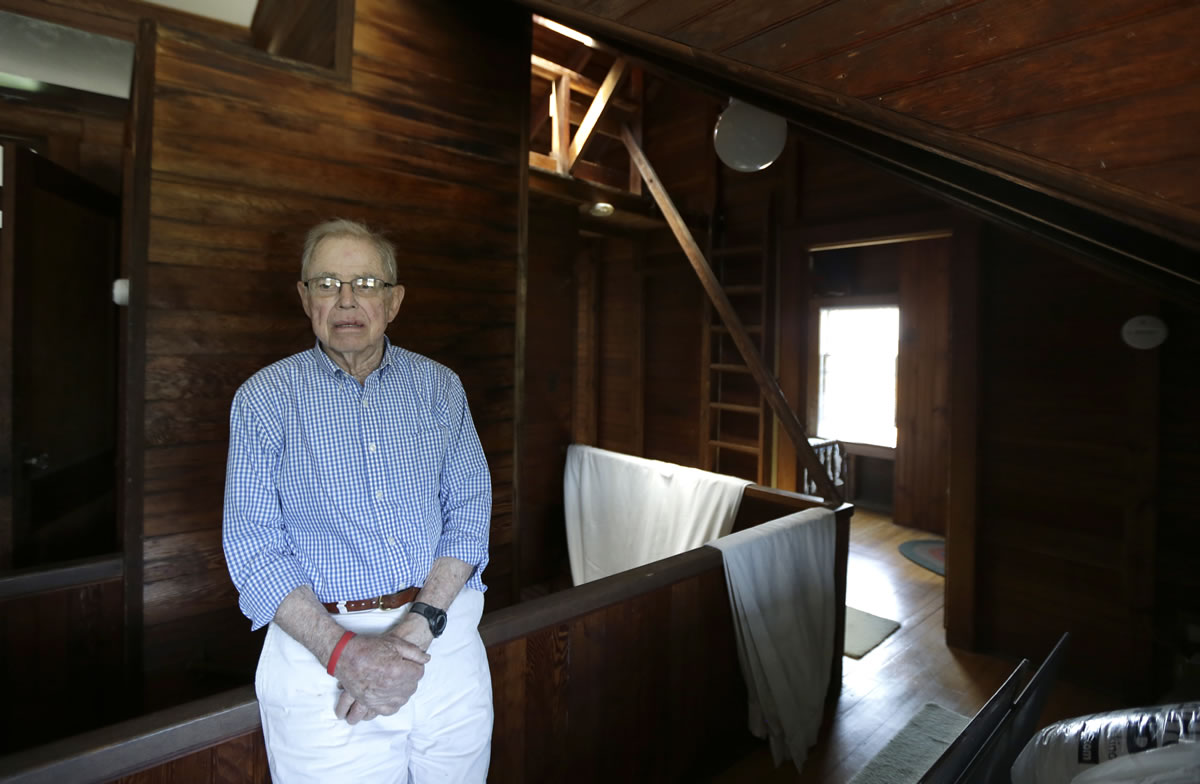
(466,488)
(261,562)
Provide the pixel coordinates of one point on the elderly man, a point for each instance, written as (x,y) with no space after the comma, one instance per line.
(357,507)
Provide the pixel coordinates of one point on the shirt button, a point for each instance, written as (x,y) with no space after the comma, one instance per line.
(379,495)
(391,540)
(371,446)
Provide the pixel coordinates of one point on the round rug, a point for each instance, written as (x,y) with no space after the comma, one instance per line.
(930,553)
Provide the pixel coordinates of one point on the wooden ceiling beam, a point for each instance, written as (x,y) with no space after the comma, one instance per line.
(568,32)
(560,127)
(547,69)
(608,89)
(541,108)
(767,383)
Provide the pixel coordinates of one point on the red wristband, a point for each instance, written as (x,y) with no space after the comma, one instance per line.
(337,652)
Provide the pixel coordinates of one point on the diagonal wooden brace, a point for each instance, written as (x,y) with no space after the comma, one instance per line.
(767,383)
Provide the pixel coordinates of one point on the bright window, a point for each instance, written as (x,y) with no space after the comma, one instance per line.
(857,400)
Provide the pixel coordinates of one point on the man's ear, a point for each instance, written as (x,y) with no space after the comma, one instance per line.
(397,298)
(302,290)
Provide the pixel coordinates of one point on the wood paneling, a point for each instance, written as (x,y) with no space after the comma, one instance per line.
(435,167)
(1177,589)
(1110,65)
(962,504)
(89,145)
(8,468)
(629,673)
(240,760)
(672,306)
(651,304)
(63,647)
(1064,476)
(923,385)
(549,391)
(620,392)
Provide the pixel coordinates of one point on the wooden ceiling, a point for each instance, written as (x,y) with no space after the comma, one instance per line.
(1095,104)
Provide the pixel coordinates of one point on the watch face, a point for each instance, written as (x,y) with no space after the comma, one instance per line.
(436,617)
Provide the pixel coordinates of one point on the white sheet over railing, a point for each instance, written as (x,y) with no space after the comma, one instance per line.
(624,511)
(781,591)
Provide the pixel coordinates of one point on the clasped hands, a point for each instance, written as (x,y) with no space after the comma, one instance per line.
(378,674)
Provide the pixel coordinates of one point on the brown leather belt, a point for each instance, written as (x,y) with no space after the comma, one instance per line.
(387,602)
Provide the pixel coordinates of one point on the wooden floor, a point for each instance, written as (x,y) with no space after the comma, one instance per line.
(884,689)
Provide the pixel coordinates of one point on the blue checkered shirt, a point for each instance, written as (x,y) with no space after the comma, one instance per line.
(351,489)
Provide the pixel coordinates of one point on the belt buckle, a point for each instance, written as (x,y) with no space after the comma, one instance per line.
(379,603)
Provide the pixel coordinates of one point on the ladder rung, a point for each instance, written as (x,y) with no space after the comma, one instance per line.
(747,288)
(736,407)
(752,329)
(749,449)
(737,250)
(725,367)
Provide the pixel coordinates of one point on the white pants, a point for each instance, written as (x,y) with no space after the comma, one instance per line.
(442,734)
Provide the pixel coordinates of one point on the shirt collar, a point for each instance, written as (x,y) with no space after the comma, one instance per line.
(325,363)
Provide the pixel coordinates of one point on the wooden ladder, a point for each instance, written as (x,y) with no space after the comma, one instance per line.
(736,432)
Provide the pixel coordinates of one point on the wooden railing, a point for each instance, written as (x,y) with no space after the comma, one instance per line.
(632,677)
(832,457)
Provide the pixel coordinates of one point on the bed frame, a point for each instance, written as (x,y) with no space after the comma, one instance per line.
(634,676)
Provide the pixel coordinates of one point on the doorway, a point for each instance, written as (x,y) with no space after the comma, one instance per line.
(878,350)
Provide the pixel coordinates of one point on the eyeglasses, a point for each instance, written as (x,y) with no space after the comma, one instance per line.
(362,287)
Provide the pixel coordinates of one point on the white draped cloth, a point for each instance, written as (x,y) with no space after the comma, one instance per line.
(624,511)
(780,579)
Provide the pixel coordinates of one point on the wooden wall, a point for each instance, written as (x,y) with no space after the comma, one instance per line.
(249,152)
(922,467)
(619,397)
(1177,542)
(555,696)
(650,301)
(46,641)
(672,307)
(87,144)
(676,140)
(550,353)
(1068,431)
(242,759)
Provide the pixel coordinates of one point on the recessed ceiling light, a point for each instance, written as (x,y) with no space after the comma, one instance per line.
(601,209)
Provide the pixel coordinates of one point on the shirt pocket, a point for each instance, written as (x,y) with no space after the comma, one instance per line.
(417,474)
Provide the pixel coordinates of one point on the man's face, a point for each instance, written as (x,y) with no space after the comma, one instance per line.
(349,323)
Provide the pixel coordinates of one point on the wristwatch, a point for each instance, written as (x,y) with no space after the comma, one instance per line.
(436,617)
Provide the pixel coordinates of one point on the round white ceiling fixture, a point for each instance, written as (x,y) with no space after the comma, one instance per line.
(1144,332)
(747,138)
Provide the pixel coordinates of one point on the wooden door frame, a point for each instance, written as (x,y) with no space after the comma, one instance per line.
(960,593)
(7,467)
(135,243)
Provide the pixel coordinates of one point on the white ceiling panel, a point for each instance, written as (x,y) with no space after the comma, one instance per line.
(238,12)
(64,56)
